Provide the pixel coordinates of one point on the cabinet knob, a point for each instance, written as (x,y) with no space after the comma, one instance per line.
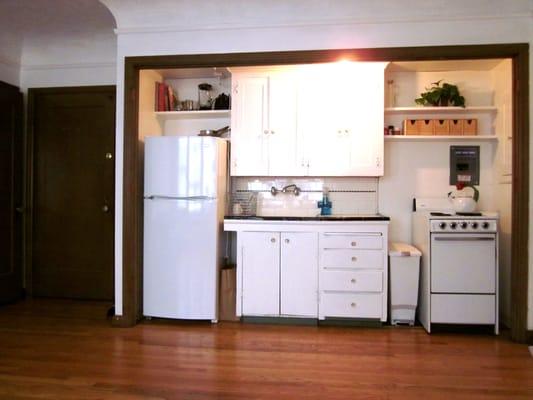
(265,132)
(109,156)
(353,304)
(273,240)
(287,240)
(272,132)
(354,259)
(353,280)
(354,244)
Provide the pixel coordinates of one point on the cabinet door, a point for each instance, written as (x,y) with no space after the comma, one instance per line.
(248,126)
(345,138)
(282,150)
(299,274)
(364,119)
(260,273)
(324,141)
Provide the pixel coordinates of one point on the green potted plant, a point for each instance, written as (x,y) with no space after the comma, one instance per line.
(441,95)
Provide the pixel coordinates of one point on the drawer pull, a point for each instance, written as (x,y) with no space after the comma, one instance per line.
(354,259)
(353,280)
(353,304)
(354,244)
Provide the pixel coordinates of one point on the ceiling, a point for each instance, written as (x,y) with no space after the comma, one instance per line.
(27,23)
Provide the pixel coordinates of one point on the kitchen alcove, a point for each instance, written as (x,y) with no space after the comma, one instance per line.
(486,85)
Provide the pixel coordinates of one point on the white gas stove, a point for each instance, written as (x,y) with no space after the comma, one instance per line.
(459,274)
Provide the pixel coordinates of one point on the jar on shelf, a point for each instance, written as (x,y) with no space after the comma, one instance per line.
(205,100)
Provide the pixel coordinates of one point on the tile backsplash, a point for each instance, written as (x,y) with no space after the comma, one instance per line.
(352,195)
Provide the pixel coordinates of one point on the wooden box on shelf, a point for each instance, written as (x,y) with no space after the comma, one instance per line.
(425,127)
(455,127)
(441,127)
(470,127)
(410,127)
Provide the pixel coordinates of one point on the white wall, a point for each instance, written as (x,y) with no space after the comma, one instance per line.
(179,27)
(81,59)
(10,73)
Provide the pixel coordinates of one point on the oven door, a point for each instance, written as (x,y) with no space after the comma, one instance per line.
(463,263)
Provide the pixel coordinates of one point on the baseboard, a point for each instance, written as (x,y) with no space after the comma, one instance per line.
(280,321)
(118,321)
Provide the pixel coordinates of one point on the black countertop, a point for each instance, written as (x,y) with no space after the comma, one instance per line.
(347,217)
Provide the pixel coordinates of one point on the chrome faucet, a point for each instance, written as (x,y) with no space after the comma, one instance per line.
(287,189)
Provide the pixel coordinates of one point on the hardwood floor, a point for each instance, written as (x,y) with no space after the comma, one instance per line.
(52,349)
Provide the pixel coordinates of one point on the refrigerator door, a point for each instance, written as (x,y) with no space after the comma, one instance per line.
(182,166)
(180,258)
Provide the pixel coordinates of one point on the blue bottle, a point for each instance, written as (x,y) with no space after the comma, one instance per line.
(325,203)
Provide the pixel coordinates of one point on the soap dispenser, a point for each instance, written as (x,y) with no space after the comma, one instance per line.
(325,203)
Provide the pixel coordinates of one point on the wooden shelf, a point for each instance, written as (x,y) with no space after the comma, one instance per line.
(430,138)
(440,110)
(197,114)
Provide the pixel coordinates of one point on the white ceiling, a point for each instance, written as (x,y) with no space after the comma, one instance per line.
(30,23)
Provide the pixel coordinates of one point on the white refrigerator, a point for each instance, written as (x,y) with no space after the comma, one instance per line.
(184,204)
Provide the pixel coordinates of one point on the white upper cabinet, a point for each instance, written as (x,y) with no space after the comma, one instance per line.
(344,128)
(248,126)
(263,126)
(308,120)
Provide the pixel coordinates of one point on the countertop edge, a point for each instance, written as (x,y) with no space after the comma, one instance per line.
(340,218)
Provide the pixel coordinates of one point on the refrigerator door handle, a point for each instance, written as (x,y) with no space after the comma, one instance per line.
(180,198)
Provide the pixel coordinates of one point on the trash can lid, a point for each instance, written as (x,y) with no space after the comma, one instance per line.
(397,249)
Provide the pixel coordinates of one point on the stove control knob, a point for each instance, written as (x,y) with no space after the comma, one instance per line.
(442,225)
(474,225)
(463,225)
(453,225)
(485,225)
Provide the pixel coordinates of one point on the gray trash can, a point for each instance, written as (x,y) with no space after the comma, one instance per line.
(404,272)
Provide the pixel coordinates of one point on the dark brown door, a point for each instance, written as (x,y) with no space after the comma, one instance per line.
(10,193)
(73,192)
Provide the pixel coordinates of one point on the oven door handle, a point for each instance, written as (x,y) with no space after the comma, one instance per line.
(463,239)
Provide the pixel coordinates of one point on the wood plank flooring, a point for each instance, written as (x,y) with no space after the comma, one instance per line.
(52,349)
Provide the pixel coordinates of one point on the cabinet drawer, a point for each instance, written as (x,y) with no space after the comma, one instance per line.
(338,258)
(351,305)
(354,281)
(351,241)
(463,308)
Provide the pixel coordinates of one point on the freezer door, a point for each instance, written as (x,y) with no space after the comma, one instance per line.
(182,166)
(180,258)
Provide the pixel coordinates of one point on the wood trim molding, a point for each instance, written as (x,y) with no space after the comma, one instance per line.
(520,197)
(518,52)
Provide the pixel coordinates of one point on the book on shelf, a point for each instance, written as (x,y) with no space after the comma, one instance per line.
(165,99)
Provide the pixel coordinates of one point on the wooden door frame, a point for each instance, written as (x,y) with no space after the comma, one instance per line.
(132,191)
(33,94)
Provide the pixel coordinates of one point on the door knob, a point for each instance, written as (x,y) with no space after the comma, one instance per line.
(105,208)
(109,156)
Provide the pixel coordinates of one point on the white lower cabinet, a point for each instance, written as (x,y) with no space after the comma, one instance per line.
(313,270)
(279,273)
(353,275)
(260,273)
